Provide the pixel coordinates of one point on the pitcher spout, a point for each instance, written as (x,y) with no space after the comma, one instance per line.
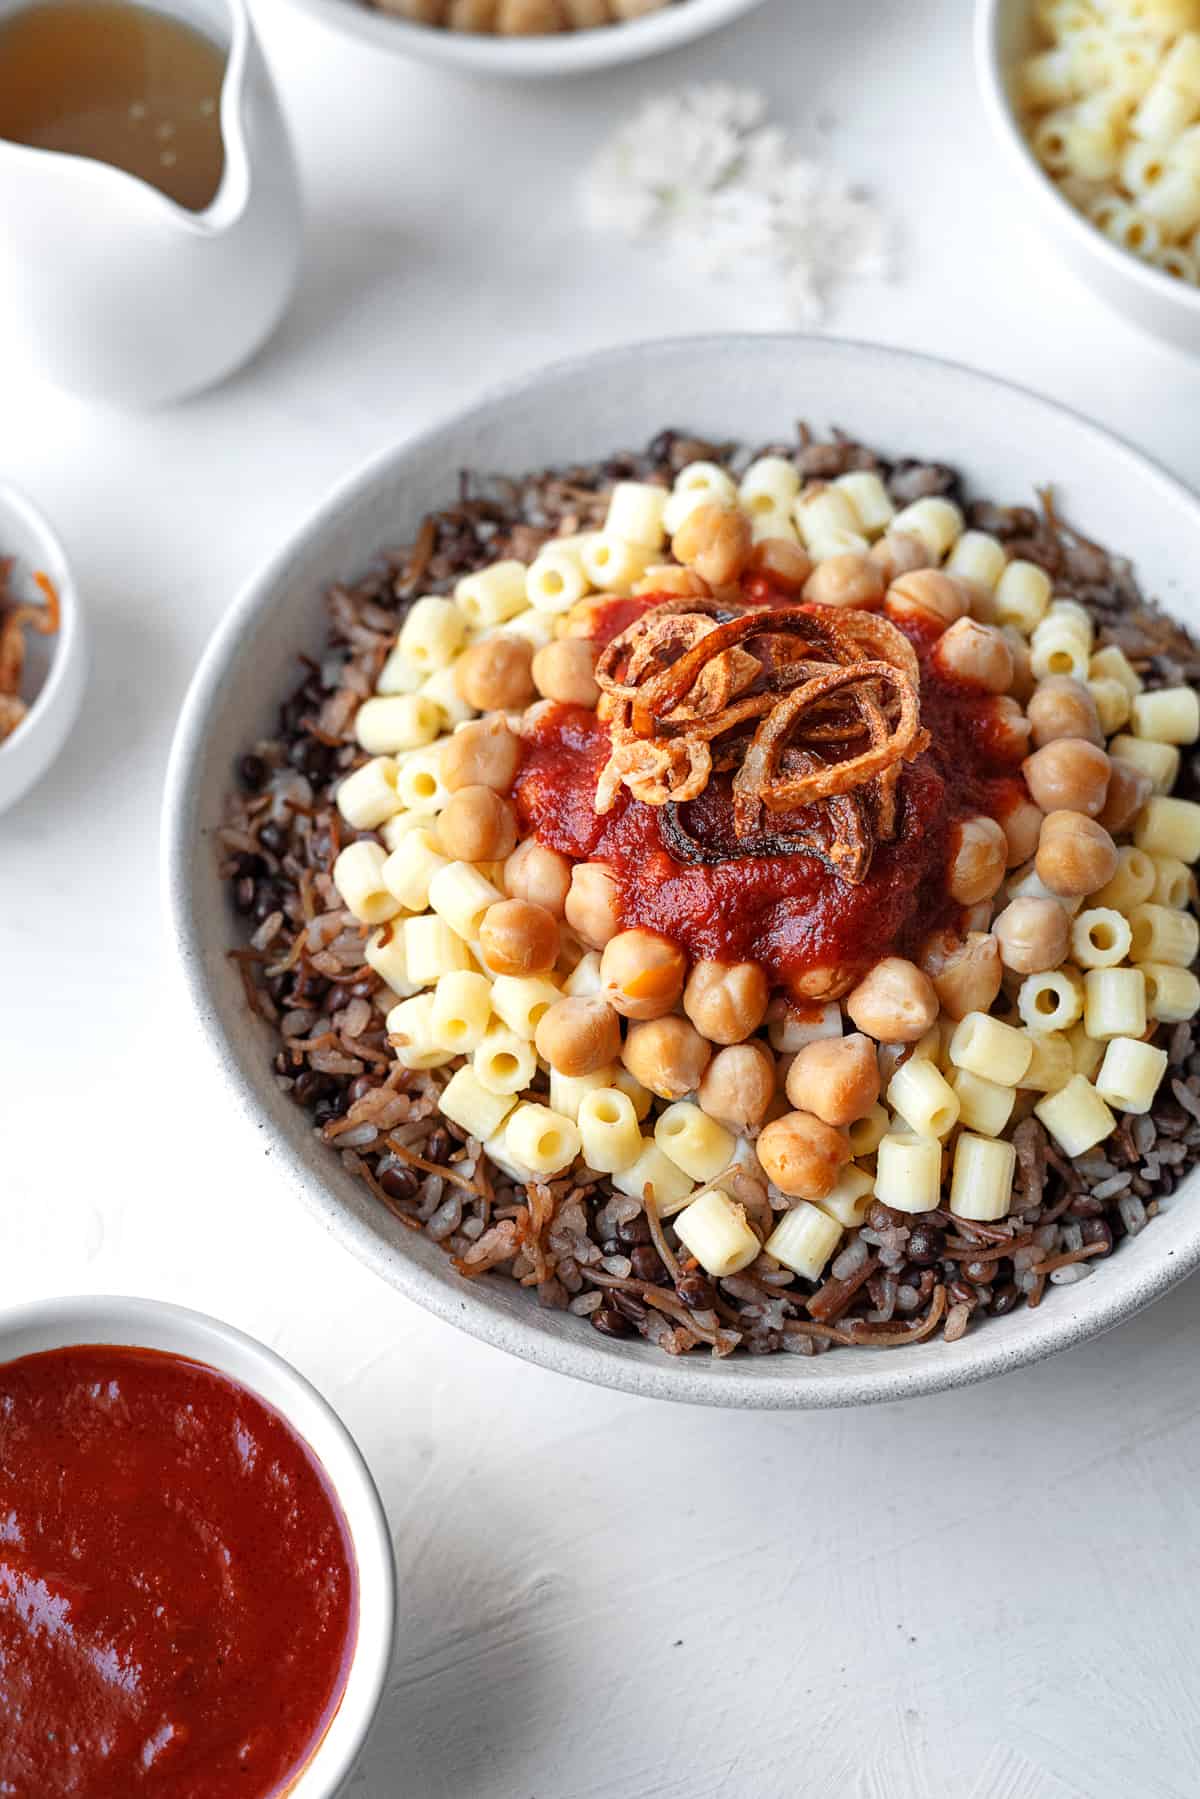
(232,197)
(116,289)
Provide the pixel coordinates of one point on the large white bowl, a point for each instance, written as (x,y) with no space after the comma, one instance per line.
(561,53)
(1002,437)
(1161,304)
(154,1324)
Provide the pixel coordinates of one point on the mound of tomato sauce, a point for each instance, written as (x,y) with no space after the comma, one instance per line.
(788,912)
(178,1596)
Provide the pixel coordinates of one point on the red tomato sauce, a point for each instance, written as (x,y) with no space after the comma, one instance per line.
(178,1595)
(790,913)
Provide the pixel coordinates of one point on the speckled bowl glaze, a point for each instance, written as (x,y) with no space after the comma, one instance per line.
(1004,440)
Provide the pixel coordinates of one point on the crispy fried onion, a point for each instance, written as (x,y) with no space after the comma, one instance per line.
(813,708)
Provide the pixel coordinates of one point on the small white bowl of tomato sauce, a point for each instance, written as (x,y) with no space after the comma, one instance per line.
(197,1588)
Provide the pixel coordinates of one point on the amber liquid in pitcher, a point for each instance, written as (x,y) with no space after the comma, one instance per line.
(120,84)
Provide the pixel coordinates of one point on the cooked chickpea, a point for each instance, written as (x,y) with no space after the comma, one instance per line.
(715,541)
(642,973)
(476,825)
(965,971)
(981,602)
(586,616)
(802,1155)
(1023,681)
(666,579)
(592,905)
(1128,791)
(565,670)
(850,579)
(529,18)
(1076,856)
(538,875)
(739,1085)
(783,563)
(533,716)
(1008,727)
(976,654)
(1021,823)
(835,1078)
(484,753)
(894,1003)
(668,1055)
(900,553)
(928,596)
(1062,707)
(493,675)
(978,857)
(726,1001)
(1033,935)
(1068,775)
(518,938)
(579,1036)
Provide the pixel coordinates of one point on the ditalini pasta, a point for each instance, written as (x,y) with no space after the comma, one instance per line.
(368,798)
(608,1129)
(804,1239)
(718,1234)
(701,1147)
(1111,101)
(982,1178)
(908,1171)
(358,876)
(432,634)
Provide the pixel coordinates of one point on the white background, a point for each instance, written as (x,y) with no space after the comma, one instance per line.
(982,1595)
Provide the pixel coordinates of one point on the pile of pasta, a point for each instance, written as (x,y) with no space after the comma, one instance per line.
(572,1045)
(1112,106)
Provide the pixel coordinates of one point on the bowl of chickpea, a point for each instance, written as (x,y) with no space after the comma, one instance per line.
(535,39)
(1098,110)
(689,903)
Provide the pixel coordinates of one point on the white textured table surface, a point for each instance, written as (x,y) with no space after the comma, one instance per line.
(983,1595)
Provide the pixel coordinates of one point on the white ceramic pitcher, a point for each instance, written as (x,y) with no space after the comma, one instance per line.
(110,289)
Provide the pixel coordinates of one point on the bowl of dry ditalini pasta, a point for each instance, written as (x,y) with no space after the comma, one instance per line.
(526,38)
(1098,107)
(691,867)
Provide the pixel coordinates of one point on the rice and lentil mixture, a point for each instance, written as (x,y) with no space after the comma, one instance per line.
(969,1072)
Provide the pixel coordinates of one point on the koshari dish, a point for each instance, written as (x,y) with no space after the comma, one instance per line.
(178,1593)
(749,903)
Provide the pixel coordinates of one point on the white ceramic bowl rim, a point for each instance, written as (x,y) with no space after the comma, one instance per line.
(991,75)
(157,1324)
(565,53)
(779,1382)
